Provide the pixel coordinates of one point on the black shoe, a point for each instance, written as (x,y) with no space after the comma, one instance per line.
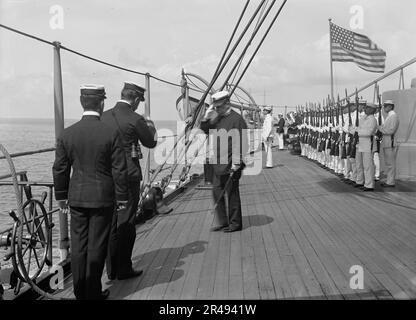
(358,185)
(131,274)
(368,189)
(385,185)
(104,295)
(232,229)
(218,228)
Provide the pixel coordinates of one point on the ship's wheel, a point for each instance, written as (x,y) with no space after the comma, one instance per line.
(31,241)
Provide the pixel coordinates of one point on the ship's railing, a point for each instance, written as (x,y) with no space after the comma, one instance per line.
(25,190)
(376,82)
(28,153)
(23,179)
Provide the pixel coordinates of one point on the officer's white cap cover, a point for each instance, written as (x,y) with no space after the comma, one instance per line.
(93,90)
(220,95)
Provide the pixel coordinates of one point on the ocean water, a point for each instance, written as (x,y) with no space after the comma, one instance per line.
(18,135)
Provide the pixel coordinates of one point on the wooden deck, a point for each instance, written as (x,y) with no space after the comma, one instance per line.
(303,230)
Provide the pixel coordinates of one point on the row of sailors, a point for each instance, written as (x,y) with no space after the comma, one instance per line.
(358,164)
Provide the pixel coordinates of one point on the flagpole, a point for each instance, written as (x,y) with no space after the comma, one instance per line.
(330,54)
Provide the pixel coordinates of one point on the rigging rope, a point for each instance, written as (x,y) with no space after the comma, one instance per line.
(216,75)
(243,55)
(261,42)
(88,57)
(256,30)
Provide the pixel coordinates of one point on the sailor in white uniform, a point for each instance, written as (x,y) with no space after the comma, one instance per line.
(366,130)
(388,144)
(359,169)
(267,135)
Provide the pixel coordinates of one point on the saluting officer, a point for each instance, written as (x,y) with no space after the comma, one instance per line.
(229,155)
(99,178)
(132,128)
(388,146)
(366,130)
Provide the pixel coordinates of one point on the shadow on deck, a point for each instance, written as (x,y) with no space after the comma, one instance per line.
(305,234)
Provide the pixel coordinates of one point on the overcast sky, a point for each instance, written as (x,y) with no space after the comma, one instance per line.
(163,36)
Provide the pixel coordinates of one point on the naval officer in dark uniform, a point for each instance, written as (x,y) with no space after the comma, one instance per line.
(132,128)
(228,159)
(99,180)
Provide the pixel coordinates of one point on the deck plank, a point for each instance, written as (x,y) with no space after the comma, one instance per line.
(349,238)
(194,245)
(168,268)
(385,260)
(192,281)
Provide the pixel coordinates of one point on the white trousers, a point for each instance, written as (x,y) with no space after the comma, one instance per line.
(269,153)
(340,165)
(347,168)
(280,140)
(353,174)
(365,169)
(389,161)
(376,165)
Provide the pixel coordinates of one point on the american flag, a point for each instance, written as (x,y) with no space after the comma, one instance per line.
(348,46)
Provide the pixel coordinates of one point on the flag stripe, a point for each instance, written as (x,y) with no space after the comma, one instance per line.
(371,56)
(348,46)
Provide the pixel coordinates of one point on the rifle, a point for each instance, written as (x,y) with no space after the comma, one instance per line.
(343,150)
(357,123)
(314,127)
(330,129)
(350,135)
(379,134)
(337,135)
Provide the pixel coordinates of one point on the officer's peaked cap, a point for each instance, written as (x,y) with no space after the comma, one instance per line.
(132,86)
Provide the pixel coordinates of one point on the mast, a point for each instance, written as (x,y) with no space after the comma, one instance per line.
(330,62)
(59,128)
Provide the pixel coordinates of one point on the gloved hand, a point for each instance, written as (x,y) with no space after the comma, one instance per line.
(63,205)
(235,167)
(149,122)
(210,114)
(121,205)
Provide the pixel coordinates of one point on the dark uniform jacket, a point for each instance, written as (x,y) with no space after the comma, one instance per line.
(280,126)
(95,153)
(134,127)
(234,150)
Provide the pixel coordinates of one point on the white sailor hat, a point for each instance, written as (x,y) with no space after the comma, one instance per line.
(220,95)
(268,109)
(93,90)
(388,103)
(132,86)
